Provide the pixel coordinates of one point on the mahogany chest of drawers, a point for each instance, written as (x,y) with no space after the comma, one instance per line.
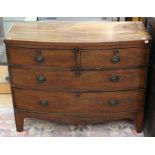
(78,72)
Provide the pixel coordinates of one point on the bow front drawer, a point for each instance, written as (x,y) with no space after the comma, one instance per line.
(113,58)
(108,80)
(68,102)
(42,58)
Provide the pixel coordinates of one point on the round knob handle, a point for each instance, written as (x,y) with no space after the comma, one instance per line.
(39,59)
(113,102)
(115,59)
(43,102)
(40,79)
(114,78)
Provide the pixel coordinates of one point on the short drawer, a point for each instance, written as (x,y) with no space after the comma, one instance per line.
(41,58)
(114,58)
(108,80)
(68,102)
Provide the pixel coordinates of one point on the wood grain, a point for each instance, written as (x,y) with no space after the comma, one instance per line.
(86,81)
(76,118)
(129,57)
(88,58)
(70,102)
(52,58)
(77,33)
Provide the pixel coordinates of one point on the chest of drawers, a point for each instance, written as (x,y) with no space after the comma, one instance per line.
(78,72)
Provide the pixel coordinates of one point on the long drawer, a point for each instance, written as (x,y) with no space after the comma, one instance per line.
(107,58)
(109,80)
(68,102)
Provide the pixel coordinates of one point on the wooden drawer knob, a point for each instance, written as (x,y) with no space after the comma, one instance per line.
(115,59)
(40,79)
(43,102)
(114,78)
(39,59)
(113,102)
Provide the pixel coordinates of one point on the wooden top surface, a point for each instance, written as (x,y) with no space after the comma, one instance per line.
(77,32)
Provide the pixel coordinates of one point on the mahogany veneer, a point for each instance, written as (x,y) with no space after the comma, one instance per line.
(78,72)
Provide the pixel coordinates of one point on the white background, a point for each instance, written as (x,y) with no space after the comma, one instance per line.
(77,146)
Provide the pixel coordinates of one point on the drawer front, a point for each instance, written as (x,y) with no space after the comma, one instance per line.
(42,58)
(109,80)
(114,58)
(78,102)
